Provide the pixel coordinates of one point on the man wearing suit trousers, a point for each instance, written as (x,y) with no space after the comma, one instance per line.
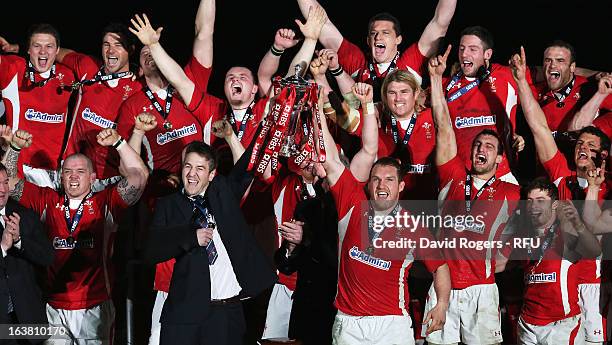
(24,245)
(217,259)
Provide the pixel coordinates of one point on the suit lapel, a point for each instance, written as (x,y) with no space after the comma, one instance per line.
(185,209)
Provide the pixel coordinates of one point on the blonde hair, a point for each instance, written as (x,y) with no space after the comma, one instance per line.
(403,76)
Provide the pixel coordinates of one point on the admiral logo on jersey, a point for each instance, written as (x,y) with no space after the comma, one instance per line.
(465,122)
(542,278)
(163,138)
(38,116)
(97,120)
(64,243)
(356,254)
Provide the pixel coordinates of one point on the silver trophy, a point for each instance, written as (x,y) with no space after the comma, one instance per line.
(289,146)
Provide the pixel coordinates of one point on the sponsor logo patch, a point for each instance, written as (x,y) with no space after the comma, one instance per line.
(166,137)
(484,120)
(97,120)
(38,116)
(542,278)
(356,254)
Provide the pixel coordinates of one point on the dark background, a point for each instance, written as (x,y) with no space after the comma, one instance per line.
(244,30)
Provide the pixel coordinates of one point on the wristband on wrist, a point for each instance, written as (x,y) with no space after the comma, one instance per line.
(369,108)
(275,51)
(13,147)
(336,72)
(118,142)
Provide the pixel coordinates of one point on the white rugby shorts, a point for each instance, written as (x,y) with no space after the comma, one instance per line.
(472,317)
(92,326)
(568,331)
(278,314)
(372,330)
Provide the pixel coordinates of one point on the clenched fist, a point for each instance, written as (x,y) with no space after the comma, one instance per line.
(108,137)
(144,122)
(22,139)
(364,92)
(222,129)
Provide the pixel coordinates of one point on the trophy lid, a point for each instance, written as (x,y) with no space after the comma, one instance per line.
(296,79)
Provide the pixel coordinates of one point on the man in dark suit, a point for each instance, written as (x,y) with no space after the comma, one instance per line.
(217,259)
(24,245)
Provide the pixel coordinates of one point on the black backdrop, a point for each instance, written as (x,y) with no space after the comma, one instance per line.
(245,29)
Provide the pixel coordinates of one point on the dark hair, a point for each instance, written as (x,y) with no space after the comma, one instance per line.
(3,168)
(604,141)
(126,38)
(541,183)
(253,75)
(500,144)
(204,150)
(485,35)
(390,162)
(386,17)
(563,44)
(43,28)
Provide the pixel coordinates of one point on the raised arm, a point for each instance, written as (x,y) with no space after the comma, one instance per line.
(544,141)
(437,27)
(598,221)
(17,141)
(143,123)
(311,31)
(578,240)
(132,185)
(364,159)
(330,37)
(283,39)
(223,130)
(446,143)
(349,119)
(344,80)
(333,165)
(171,70)
(204,29)
(585,116)
(8,47)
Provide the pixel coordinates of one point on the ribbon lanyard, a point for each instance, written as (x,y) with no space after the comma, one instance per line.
(163,112)
(101,77)
(468,190)
(30,73)
(71,224)
(562,95)
(409,130)
(549,235)
(392,66)
(248,116)
(462,91)
(373,234)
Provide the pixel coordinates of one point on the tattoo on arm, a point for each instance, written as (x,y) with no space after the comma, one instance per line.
(17,192)
(129,193)
(11,162)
